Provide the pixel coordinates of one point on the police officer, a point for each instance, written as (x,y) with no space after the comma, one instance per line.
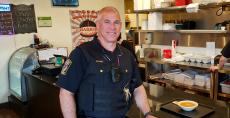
(100,78)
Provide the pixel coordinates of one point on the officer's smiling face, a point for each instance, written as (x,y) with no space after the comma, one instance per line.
(109,26)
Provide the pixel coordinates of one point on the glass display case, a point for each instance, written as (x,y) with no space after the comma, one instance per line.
(23,59)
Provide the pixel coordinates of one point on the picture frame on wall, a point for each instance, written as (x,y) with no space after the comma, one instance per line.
(65,2)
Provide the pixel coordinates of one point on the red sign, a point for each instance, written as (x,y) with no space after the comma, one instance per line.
(83,25)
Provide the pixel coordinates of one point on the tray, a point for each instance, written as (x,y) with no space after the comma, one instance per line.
(201,111)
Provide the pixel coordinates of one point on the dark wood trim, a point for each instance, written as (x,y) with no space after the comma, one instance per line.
(4,105)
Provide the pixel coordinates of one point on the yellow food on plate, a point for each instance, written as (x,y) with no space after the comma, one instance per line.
(187,104)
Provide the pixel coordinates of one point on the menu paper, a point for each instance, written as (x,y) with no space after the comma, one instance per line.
(46,54)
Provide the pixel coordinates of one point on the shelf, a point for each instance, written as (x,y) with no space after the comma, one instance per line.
(170,82)
(183,8)
(186,31)
(174,8)
(224,95)
(183,63)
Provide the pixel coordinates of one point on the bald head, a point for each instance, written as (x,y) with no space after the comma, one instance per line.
(106,10)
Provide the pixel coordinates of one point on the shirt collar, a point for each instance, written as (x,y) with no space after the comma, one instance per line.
(117,50)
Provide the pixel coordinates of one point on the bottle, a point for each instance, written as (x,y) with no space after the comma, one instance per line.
(36,40)
(174,44)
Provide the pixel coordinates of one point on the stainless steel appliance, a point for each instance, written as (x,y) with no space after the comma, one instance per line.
(23,59)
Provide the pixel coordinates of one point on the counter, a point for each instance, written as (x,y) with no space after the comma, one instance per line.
(158,95)
(43,96)
(41,85)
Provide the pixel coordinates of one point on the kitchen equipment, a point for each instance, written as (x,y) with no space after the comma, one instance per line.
(165,4)
(189,25)
(180,2)
(225,86)
(169,26)
(22,60)
(151,53)
(167,53)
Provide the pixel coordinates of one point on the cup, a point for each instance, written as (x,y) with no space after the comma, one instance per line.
(222,27)
(58,60)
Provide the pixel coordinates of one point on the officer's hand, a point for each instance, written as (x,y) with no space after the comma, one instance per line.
(213,68)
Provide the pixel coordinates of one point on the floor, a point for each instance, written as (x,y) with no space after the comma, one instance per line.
(7,113)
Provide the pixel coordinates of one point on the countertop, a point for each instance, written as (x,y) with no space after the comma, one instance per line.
(158,95)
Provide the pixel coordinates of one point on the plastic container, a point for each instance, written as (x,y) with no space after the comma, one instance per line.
(225,86)
(180,2)
(167,53)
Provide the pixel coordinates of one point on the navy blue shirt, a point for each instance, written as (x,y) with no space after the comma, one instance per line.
(75,67)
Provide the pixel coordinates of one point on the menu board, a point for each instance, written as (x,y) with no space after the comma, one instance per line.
(24,18)
(6,23)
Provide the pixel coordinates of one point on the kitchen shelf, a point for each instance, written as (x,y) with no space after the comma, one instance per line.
(224,95)
(176,84)
(183,63)
(185,31)
(183,8)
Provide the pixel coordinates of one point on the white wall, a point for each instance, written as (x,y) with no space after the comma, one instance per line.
(59,34)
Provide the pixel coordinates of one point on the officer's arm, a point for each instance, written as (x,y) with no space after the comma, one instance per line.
(141,100)
(67,102)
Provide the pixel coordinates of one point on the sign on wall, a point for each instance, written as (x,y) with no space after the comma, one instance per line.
(16,19)
(5,7)
(83,26)
(24,19)
(6,20)
(6,23)
(44,21)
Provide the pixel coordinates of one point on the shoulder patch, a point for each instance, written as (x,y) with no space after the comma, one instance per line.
(66,66)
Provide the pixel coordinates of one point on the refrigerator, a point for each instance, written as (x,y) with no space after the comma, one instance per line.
(22,60)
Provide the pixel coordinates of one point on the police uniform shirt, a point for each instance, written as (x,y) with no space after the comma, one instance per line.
(75,67)
(226,50)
